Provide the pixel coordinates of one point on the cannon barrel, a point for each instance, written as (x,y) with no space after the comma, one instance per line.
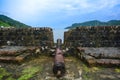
(59,65)
(59,43)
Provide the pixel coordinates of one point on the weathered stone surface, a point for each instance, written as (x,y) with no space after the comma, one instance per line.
(103,56)
(26,36)
(108,62)
(7,53)
(18,54)
(103,52)
(91,61)
(98,36)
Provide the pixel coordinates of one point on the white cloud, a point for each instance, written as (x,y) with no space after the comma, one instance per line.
(32,8)
(87,6)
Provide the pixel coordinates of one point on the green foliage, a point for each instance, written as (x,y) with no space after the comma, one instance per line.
(95,23)
(3,24)
(6,21)
(29,72)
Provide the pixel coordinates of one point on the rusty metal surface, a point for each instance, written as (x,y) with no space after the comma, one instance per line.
(59,62)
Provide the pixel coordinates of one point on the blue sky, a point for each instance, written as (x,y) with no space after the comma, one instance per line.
(59,14)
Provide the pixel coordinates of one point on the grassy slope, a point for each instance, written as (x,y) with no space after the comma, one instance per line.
(9,22)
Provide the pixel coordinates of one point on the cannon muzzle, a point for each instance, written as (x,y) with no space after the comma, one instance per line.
(59,43)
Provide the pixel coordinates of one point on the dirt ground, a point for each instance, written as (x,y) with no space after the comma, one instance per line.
(40,68)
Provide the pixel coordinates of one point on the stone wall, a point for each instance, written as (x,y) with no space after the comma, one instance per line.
(26,36)
(100,36)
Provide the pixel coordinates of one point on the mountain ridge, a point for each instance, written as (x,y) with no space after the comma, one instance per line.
(6,21)
(95,23)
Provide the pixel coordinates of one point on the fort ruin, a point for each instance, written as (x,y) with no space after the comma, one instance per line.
(94,45)
(97,45)
(26,36)
(96,36)
(28,49)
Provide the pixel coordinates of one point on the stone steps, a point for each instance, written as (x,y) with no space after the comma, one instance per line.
(93,57)
(17,55)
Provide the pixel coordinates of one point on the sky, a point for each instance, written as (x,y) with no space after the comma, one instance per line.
(59,14)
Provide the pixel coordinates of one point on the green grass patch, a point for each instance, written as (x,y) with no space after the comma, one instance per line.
(117,70)
(85,68)
(91,69)
(29,72)
(10,78)
(3,73)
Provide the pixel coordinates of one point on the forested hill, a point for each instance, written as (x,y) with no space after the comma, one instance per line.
(95,23)
(8,22)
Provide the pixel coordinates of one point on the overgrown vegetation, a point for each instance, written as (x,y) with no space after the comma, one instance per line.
(4,75)
(29,72)
(117,70)
(88,70)
(92,69)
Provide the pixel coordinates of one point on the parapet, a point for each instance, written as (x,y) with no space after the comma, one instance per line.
(93,36)
(26,36)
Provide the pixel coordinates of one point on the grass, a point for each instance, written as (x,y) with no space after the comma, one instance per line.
(89,70)
(85,68)
(117,70)
(10,78)
(5,74)
(29,72)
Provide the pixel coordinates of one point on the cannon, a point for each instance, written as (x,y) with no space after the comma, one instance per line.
(59,63)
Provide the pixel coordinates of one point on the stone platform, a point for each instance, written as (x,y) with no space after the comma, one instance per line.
(17,53)
(103,56)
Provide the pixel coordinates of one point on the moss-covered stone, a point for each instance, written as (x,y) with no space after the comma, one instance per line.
(29,72)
